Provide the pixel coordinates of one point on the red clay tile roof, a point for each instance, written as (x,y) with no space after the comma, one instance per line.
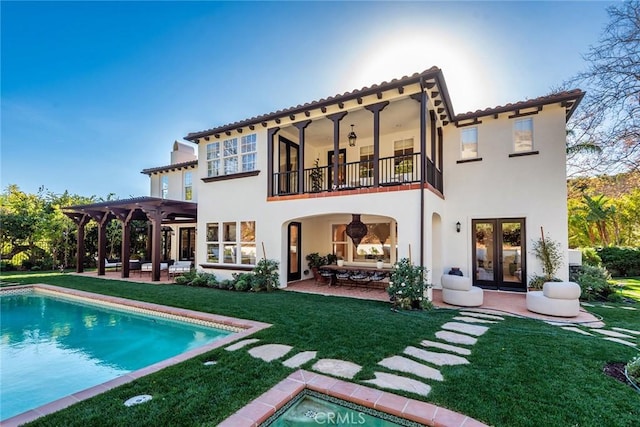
(571,99)
(185,165)
(433,72)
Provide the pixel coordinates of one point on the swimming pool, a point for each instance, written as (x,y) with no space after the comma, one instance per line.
(55,344)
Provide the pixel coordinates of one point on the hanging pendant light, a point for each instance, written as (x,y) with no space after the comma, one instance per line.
(352,138)
(356,229)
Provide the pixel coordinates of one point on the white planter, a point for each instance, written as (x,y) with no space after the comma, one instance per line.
(379,264)
(340,262)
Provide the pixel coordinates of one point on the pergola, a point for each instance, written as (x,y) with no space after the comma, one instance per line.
(157,211)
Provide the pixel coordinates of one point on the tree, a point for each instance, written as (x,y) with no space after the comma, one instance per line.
(608,120)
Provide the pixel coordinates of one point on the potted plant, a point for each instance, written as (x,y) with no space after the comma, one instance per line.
(340,261)
(365,176)
(404,170)
(548,252)
(316,177)
(379,264)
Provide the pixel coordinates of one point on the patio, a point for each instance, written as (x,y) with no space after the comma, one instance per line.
(502,302)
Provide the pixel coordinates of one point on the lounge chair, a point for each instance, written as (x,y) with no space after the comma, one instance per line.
(110,264)
(178,268)
(147,267)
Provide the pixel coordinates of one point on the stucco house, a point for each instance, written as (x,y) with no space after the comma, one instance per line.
(446,190)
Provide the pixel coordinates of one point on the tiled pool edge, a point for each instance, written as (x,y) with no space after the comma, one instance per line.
(245,327)
(261,408)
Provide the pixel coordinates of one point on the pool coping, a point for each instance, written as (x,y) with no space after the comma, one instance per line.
(242,328)
(260,409)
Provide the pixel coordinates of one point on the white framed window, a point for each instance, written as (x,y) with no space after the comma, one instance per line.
(188,185)
(376,245)
(523,135)
(469,143)
(231,242)
(232,156)
(164,186)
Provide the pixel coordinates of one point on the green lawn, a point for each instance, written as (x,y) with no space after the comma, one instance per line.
(522,373)
(631,286)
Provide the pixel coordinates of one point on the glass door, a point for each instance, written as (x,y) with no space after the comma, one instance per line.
(293,258)
(499,253)
(342,167)
(288,167)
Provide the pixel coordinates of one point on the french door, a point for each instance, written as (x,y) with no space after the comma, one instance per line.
(293,258)
(288,167)
(499,253)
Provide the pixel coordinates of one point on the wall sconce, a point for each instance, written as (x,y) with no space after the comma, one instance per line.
(458,226)
(352,138)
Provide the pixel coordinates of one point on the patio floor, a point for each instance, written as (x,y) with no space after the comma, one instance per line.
(499,302)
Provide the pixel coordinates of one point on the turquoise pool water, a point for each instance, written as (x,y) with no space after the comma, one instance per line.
(52,347)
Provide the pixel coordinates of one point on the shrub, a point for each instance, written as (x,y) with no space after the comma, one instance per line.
(27,264)
(633,369)
(242,281)
(621,261)
(197,278)
(406,287)
(591,257)
(6,266)
(550,256)
(595,285)
(266,276)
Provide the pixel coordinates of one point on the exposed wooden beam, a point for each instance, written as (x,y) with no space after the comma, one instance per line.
(341,105)
(437,102)
(206,138)
(359,99)
(435,94)
(278,121)
(252,127)
(264,124)
(379,95)
(400,90)
(228,133)
(307,113)
(323,109)
(292,117)
(239,130)
(430,85)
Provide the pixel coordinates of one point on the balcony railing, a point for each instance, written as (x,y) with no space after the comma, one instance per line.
(395,170)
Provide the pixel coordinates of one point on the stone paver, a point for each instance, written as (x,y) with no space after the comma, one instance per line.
(455,338)
(628,331)
(300,359)
(470,319)
(440,359)
(618,340)
(402,364)
(481,315)
(613,334)
(465,328)
(241,344)
(452,348)
(574,329)
(629,308)
(587,304)
(397,382)
(339,368)
(269,352)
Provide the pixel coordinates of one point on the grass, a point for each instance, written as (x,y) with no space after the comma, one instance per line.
(522,372)
(630,287)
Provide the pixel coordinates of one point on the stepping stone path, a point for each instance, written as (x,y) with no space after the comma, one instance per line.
(269,352)
(402,364)
(414,361)
(300,359)
(397,382)
(614,334)
(454,338)
(339,368)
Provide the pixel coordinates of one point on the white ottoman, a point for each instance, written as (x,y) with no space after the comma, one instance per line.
(458,290)
(559,299)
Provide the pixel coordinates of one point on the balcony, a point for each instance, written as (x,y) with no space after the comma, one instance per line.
(391,171)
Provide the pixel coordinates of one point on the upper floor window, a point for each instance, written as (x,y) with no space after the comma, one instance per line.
(469,143)
(188,185)
(164,186)
(523,135)
(231,156)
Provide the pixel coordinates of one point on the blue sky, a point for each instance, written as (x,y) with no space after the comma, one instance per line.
(94,92)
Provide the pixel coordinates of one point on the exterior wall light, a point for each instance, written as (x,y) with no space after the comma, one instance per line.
(352,138)
(458,226)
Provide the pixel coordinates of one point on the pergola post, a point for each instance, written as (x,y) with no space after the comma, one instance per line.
(81,221)
(102,242)
(125,216)
(156,243)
